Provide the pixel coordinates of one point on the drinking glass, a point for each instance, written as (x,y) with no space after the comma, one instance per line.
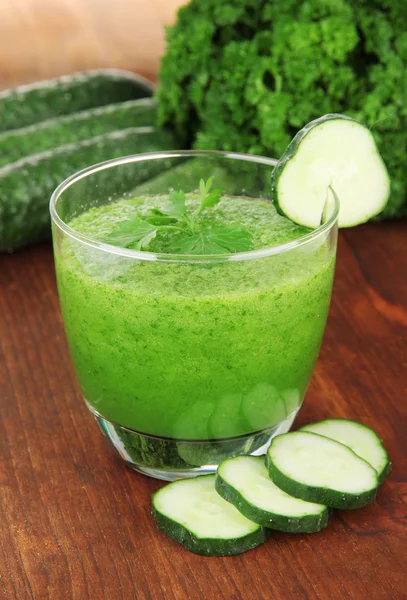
(185,360)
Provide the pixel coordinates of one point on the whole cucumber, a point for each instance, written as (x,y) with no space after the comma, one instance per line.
(64,95)
(18,143)
(26,185)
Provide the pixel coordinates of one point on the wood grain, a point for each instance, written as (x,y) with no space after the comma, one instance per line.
(40,39)
(76,523)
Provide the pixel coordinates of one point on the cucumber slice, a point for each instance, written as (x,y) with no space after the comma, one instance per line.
(244,481)
(226,418)
(292,398)
(317,469)
(193,422)
(361,439)
(263,407)
(335,152)
(192,513)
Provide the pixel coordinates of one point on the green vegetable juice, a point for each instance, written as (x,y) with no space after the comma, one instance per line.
(194,349)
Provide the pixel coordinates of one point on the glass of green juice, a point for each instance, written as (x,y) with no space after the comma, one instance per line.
(186,359)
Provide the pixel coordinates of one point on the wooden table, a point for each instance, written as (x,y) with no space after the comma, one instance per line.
(76,522)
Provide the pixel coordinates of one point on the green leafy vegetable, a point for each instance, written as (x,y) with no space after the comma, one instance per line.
(215,240)
(135,232)
(252,73)
(193,237)
(208,199)
(178,208)
(157,217)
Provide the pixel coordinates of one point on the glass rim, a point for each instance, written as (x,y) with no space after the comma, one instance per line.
(181,258)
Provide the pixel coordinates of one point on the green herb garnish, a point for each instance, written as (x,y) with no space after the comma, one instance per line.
(194,238)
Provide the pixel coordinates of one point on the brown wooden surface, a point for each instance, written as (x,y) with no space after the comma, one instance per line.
(40,39)
(76,523)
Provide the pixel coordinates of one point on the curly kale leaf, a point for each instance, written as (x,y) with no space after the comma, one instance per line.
(245,75)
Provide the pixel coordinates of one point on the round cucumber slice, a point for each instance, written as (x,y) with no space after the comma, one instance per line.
(361,439)
(191,512)
(263,407)
(193,422)
(335,153)
(292,398)
(226,419)
(244,481)
(317,469)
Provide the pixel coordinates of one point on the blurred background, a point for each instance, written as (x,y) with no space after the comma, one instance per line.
(41,39)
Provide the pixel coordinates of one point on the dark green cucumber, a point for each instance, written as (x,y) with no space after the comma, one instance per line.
(26,185)
(244,481)
(192,513)
(358,437)
(18,143)
(333,153)
(65,95)
(318,469)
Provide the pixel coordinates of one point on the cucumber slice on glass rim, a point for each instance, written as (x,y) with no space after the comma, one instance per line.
(191,512)
(244,481)
(337,153)
(358,437)
(318,469)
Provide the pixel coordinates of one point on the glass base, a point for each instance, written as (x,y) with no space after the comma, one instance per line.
(170,459)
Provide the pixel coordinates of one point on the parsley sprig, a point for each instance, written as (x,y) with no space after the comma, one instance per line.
(193,237)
